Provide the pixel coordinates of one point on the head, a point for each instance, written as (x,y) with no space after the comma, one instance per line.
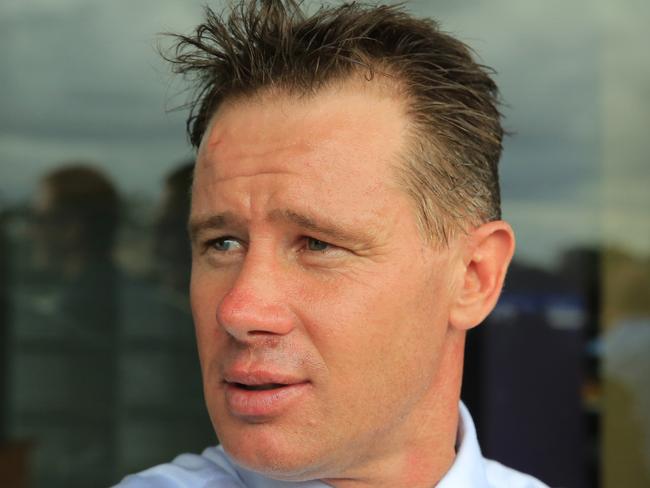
(77,211)
(346,233)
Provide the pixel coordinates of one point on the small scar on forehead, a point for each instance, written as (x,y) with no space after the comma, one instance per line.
(215,138)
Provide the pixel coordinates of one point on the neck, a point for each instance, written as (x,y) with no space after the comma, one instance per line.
(425,450)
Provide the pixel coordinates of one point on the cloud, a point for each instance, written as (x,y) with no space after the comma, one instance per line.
(545,229)
(578,91)
(81,78)
(547,58)
(93,66)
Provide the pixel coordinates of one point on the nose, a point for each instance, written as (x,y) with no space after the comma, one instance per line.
(257,305)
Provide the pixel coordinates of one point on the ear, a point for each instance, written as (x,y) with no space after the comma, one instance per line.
(487,256)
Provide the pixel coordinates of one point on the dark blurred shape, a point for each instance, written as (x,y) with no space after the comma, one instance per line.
(171,244)
(76,217)
(75,222)
(162,394)
(4,327)
(524,374)
(14,465)
(581,269)
(65,334)
(14,456)
(625,348)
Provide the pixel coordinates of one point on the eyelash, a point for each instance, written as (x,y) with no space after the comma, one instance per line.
(318,241)
(212,243)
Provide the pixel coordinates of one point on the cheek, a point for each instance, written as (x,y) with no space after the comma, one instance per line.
(205,295)
(355,326)
(379,334)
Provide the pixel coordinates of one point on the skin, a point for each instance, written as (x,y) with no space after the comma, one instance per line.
(307,259)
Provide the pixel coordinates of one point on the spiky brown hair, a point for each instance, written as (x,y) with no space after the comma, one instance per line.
(451,169)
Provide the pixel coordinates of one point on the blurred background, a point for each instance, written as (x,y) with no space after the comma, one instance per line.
(98,368)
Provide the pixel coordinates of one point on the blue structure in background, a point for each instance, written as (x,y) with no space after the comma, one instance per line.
(524,374)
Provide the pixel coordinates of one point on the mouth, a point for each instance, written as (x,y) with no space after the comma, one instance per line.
(260,397)
(264,387)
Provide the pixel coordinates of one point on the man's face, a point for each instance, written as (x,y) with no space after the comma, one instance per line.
(321,314)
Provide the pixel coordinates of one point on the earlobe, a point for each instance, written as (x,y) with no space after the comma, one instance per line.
(489,252)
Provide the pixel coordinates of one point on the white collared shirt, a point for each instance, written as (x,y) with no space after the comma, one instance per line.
(214,469)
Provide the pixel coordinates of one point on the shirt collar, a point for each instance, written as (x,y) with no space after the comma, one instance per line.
(254,480)
(468,468)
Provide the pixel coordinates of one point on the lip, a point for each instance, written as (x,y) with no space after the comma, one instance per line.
(260,377)
(261,404)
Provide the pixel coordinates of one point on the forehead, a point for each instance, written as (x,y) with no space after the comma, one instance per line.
(357,128)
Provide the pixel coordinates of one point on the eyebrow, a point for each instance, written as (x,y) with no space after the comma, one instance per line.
(322,226)
(213,222)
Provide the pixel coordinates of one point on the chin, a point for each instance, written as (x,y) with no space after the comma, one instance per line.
(272,455)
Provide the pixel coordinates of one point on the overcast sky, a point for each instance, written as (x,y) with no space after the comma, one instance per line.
(80,79)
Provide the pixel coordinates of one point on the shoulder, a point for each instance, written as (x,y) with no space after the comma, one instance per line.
(211,469)
(500,476)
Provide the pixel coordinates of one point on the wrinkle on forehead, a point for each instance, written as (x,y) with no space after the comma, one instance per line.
(225,141)
(252,174)
(228,155)
(333,113)
(339,138)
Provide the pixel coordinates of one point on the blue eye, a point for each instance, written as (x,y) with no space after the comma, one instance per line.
(225,244)
(316,245)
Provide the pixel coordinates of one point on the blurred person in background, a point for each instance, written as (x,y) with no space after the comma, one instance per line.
(173,255)
(65,313)
(76,213)
(160,380)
